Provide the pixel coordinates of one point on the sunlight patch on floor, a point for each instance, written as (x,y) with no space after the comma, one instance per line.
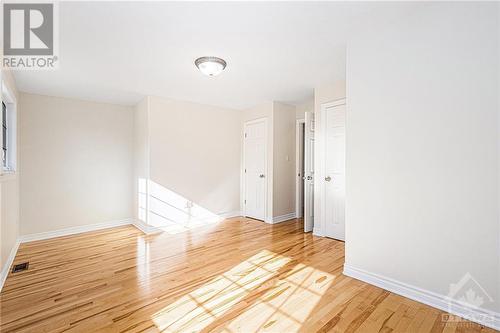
(250,297)
(143,259)
(169,211)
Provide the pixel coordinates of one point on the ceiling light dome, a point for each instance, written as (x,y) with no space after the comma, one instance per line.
(210,66)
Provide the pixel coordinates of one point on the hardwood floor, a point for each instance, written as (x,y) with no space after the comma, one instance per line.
(236,276)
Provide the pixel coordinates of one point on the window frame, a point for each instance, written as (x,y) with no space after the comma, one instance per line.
(8,98)
(5,133)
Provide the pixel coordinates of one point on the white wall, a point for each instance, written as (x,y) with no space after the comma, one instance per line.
(328,93)
(264,110)
(302,108)
(498,136)
(422,148)
(9,193)
(76,163)
(283,159)
(195,153)
(141,160)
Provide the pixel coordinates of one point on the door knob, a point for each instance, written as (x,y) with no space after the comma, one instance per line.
(328,178)
(309,178)
(261,176)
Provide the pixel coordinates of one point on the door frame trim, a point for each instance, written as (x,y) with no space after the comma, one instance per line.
(243,165)
(320,156)
(298,123)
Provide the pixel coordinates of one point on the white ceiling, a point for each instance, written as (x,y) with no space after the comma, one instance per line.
(118,52)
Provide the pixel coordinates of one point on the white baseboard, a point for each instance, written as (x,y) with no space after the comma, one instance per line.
(228,215)
(8,263)
(481,316)
(149,229)
(145,228)
(317,232)
(98,226)
(74,230)
(52,234)
(283,218)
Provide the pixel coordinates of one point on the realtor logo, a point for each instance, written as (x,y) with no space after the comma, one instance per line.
(29,35)
(468,297)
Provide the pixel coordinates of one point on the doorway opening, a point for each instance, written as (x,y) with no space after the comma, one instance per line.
(304,157)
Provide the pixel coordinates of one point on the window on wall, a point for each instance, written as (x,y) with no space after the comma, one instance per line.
(5,163)
(8,138)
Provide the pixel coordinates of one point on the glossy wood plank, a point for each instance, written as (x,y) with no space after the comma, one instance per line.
(239,275)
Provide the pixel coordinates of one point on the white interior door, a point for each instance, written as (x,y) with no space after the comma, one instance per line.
(255,141)
(309,172)
(333,119)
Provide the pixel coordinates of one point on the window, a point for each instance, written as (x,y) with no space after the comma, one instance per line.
(8,137)
(4,137)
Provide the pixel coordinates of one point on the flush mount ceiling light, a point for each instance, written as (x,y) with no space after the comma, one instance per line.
(210,66)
